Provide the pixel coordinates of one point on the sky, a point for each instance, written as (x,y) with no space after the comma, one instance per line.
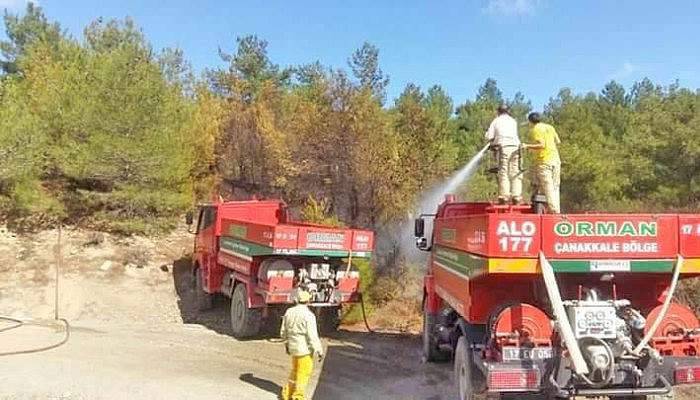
(533,46)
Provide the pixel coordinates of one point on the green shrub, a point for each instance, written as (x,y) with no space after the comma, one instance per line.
(317,212)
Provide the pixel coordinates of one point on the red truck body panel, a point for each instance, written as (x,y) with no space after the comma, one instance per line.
(486,255)
(689,230)
(245,233)
(603,236)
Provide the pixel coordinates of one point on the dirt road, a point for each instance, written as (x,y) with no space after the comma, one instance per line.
(191,362)
(135,333)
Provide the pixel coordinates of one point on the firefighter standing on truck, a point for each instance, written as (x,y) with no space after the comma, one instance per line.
(300,334)
(547,162)
(503,135)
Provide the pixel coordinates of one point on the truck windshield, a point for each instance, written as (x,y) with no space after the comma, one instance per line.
(207,216)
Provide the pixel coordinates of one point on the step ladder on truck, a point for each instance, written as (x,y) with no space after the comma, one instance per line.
(538,306)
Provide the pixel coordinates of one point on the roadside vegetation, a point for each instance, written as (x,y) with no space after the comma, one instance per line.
(107,132)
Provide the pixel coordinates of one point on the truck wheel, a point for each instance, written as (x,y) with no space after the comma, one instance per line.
(463,372)
(245,322)
(329,320)
(431,349)
(203,299)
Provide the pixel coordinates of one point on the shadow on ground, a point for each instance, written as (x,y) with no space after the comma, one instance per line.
(218,318)
(358,365)
(260,383)
(379,366)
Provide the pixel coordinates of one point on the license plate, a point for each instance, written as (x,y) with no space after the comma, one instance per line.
(610,265)
(519,353)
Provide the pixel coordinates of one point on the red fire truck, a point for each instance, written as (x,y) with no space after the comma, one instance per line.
(253,253)
(556,306)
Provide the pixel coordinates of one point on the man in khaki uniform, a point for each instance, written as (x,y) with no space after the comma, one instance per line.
(300,334)
(503,134)
(547,162)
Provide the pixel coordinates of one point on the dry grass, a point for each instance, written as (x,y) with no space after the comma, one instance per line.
(137,256)
(396,299)
(689,294)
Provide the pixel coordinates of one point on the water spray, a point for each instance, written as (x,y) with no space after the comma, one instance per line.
(429,201)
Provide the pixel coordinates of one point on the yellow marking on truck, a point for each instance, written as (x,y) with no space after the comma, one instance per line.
(513,265)
(691,266)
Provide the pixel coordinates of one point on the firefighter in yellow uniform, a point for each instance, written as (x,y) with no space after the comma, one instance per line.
(300,334)
(547,162)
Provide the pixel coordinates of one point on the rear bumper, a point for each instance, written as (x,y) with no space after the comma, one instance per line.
(657,379)
(662,387)
(286,298)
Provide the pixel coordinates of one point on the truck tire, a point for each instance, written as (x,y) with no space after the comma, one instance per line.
(329,320)
(203,300)
(245,321)
(463,372)
(431,349)
(271,324)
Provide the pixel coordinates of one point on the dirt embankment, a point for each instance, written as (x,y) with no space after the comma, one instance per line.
(102,278)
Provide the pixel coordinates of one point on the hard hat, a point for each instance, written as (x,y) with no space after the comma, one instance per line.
(303,296)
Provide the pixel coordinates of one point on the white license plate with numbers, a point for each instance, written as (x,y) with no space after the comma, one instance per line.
(520,353)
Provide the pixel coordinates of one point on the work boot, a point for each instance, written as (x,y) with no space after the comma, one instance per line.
(516,201)
(502,200)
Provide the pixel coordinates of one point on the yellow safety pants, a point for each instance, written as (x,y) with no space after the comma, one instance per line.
(298,379)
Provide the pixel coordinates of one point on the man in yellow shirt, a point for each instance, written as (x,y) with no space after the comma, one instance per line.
(300,333)
(547,162)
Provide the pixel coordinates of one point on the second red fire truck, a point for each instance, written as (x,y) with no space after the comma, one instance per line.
(254,254)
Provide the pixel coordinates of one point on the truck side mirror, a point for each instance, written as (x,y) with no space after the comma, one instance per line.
(189,218)
(419,228)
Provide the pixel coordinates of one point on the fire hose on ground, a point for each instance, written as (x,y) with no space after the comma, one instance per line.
(364,314)
(18,323)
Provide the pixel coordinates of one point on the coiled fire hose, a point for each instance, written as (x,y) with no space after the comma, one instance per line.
(18,323)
